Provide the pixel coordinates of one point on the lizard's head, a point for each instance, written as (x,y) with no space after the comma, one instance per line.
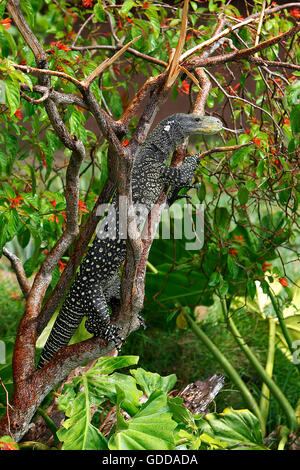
(195,124)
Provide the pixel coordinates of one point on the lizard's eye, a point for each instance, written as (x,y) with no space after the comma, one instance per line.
(197,119)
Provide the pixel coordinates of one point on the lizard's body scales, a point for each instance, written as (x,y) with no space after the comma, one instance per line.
(97,282)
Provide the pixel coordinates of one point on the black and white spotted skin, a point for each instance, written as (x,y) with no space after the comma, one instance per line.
(97,283)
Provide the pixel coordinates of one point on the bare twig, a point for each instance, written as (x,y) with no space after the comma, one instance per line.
(19,270)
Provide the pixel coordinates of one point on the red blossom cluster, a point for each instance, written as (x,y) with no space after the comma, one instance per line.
(257,141)
(60,45)
(233,252)
(61,266)
(295,12)
(87,3)
(239,239)
(284,282)
(18,114)
(266,266)
(82,207)
(15,202)
(6,22)
(184,89)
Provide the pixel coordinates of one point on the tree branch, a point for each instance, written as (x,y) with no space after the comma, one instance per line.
(17,266)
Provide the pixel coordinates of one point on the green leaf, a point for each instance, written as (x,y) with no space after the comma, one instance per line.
(2,8)
(126,7)
(12,91)
(295,119)
(243,195)
(77,432)
(149,381)
(238,157)
(107,365)
(151,13)
(251,287)
(99,11)
(151,428)
(202,192)
(26,6)
(238,428)
(232,267)
(215,279)
(250,185)
(7,36)
(260,168)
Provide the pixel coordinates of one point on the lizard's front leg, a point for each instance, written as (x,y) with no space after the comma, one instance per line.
(180,177)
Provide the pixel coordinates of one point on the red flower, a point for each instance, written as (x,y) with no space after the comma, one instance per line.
(295,13)
(6,23)
(266,266)
(284,282)
(146,4)
(239,239)
(82,207)
(61,266)
(116,69)
(185,88)
(257,141)
(53,203)
(15,297)
(44,161)
(18,114)
(8,446)
(254,120)
(125,142)
(87,3)
(233,252)
(53,218)
(15,202)
(60,45)
(286,121)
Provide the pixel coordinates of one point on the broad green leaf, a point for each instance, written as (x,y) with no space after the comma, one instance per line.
(151,428)
(77,432)
(99,11)
(238,428)
(243,195)
(149,381)
(151,13)
(126,7)
(107,365)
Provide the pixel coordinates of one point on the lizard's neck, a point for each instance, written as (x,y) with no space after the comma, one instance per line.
(163,140)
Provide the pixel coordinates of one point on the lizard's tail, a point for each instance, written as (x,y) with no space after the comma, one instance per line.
(62,331)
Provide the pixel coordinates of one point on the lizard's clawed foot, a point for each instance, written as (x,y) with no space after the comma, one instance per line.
(142,322)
